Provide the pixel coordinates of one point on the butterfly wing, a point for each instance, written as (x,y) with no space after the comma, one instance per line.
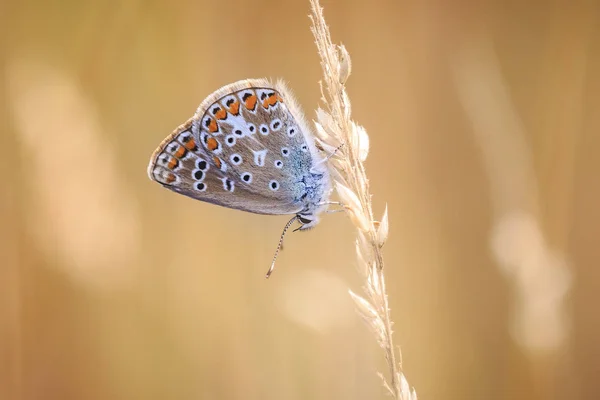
(245,148)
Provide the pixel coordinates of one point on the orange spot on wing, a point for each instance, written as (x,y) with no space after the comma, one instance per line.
(172,163)
(170,178)
(212,144)
(270,101)
(221,114)
(250,102)
(217,162)
(213,127)
(191,144)
(181,152)
(234,109)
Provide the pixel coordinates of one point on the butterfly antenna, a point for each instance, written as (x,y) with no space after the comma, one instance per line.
(285,229)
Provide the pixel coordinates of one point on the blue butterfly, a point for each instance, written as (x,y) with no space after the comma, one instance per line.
(248,147)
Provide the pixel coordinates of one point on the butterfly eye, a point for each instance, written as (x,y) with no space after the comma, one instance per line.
(274,185)
(304,220)
(285,151)
(278,164)
(291,131)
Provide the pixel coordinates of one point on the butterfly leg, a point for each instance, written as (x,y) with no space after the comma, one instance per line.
(334,203)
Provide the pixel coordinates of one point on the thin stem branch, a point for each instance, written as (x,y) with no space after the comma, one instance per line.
(335,126)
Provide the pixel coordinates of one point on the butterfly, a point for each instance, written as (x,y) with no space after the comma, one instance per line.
(248,147)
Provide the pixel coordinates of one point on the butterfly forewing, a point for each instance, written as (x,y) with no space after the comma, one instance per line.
(245,149)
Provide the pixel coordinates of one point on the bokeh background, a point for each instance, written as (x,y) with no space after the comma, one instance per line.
(484,119)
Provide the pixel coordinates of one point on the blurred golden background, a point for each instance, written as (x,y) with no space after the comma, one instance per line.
(485,131)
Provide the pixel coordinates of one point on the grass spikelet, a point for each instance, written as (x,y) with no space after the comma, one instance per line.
(335,126)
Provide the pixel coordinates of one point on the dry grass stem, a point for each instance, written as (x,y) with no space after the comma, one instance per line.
(334,127)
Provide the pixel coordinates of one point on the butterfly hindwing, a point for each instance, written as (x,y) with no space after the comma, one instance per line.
(244,148)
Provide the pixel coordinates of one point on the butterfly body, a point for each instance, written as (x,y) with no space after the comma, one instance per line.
(249,148)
